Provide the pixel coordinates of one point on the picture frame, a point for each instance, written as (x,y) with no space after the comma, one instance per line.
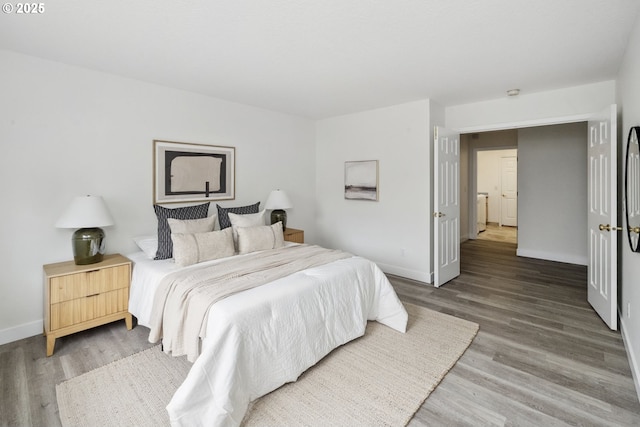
(361,180)
(185,172)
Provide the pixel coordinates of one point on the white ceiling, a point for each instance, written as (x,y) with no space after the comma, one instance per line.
(321,58)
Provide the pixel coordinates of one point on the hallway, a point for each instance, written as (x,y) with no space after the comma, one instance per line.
(496,233)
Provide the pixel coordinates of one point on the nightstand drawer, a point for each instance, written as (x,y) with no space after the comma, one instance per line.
(294,235)
(79,297)
(68,313)
(78,285)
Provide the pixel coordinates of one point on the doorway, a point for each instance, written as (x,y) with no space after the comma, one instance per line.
(490,144)
(497,195)
(552,190)
(555,179)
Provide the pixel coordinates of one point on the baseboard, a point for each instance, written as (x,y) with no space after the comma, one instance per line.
(19,332)
(633,362)
(421,276)
(551,256)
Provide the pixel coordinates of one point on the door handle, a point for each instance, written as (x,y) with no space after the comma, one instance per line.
(607,227)
(634,230)
(438,215)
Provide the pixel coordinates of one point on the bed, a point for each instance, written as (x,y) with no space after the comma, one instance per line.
(261,338)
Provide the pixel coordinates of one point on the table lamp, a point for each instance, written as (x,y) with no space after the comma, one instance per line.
(88,214)
(278,201)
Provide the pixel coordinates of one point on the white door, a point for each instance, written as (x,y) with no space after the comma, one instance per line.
(509,183)
(446,202)
(602,216)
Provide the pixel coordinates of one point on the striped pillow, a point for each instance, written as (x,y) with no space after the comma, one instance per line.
(223,213)
(165,245)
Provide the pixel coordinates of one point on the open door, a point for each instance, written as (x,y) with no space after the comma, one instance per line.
(602,216)
(446,202)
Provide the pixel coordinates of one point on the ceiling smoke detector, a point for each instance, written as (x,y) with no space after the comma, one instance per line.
(513,92)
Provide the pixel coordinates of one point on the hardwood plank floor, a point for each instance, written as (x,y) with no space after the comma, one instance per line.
(542,357)
(28,378)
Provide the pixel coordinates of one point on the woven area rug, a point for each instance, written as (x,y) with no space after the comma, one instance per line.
(380,379)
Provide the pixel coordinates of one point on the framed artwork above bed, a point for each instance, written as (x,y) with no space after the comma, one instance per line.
(184,172)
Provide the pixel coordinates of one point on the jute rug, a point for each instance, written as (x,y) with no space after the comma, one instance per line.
(380,379)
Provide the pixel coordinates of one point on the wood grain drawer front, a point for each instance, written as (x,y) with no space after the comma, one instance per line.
(294,235)
(80,297)
(71,312)
(86,283)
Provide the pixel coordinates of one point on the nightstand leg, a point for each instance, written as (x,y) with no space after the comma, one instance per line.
(128,321)
(51,343)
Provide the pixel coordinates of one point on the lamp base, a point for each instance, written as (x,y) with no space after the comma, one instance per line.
(88,245)
(279,215)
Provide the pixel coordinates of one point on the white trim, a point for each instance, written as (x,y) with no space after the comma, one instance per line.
(633,362)
(420,276)
(552,256)
(527,123)
(19,332)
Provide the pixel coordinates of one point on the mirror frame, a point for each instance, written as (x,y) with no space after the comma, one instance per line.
(633,232)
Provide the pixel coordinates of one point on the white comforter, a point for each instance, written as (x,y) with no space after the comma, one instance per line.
(265,337)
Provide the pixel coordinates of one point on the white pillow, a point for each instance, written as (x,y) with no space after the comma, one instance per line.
(251,239)
(192,248)
(201,225)
(148,245)
(245,220)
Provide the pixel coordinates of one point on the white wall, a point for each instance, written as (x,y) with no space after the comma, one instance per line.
(66,131)
(629,291)
(490,179)
(395,232)
(572,104)
(552,193)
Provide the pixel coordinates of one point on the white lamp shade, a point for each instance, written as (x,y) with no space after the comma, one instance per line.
(86,212)
(278,200)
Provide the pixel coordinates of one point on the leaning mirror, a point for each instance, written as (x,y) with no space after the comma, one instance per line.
(632,188)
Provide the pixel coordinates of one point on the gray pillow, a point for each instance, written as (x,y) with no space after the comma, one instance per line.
(223,213)
(165,246)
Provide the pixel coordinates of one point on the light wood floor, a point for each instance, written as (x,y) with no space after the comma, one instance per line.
(541,358)
(499,233)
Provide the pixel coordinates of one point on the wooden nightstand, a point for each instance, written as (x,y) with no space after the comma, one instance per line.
(294,235)
(79,297)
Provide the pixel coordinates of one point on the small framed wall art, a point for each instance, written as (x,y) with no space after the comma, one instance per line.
(361,180)
(186,172)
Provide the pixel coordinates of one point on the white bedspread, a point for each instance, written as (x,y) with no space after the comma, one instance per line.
(262,338)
